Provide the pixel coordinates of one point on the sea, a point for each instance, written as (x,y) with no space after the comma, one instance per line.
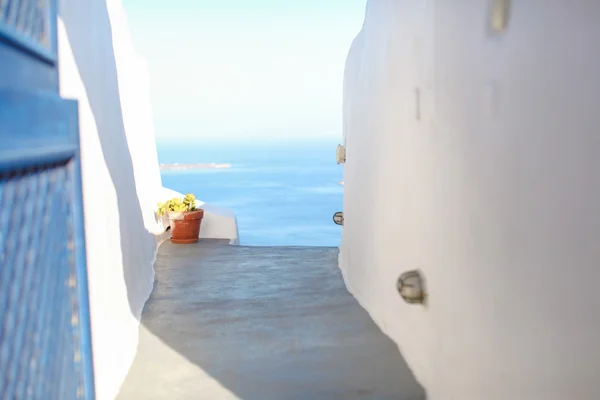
(283,192)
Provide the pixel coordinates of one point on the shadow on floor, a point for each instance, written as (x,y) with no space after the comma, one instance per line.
(228,322)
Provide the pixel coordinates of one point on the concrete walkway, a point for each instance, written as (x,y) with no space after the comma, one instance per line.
(232,322)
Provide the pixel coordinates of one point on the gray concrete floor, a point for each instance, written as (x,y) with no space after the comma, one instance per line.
(233,322)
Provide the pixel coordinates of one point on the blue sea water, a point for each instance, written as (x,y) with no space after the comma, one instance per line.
(282,192)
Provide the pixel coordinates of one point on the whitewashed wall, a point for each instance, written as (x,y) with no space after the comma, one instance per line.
(489,185)
(121,179)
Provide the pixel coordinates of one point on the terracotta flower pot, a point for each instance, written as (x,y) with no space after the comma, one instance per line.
(185,226)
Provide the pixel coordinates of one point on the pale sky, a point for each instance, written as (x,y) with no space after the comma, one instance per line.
(245,68)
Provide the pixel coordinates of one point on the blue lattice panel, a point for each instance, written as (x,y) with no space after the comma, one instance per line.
(29,18)
(39,324)
(30,24)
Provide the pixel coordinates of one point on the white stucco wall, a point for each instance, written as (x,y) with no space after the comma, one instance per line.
(121,179)
(490,189)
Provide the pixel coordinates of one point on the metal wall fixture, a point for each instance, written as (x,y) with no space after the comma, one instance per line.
(340,154)
(499,15)
(411,287)
(338,218)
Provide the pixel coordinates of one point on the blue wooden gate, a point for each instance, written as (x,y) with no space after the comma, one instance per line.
(45,342)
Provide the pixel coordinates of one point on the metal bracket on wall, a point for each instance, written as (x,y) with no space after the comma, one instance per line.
(338,218)
(340,154)
(411,287)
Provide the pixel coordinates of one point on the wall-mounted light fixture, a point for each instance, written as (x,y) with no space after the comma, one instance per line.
(338,218)
(411,287)
(340,154)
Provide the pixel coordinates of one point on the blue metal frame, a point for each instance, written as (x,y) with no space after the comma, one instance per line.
(41,130)
(40,154)
(32,129)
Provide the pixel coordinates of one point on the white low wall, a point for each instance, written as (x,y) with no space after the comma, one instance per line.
(474,158)
(217,223)
(121,178)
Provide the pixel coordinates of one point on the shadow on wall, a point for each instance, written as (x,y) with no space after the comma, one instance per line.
(98,71)
(227,322)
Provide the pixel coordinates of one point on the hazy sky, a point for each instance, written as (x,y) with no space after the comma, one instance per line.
(229,68)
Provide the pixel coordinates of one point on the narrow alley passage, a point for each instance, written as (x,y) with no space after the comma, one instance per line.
(234,322)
